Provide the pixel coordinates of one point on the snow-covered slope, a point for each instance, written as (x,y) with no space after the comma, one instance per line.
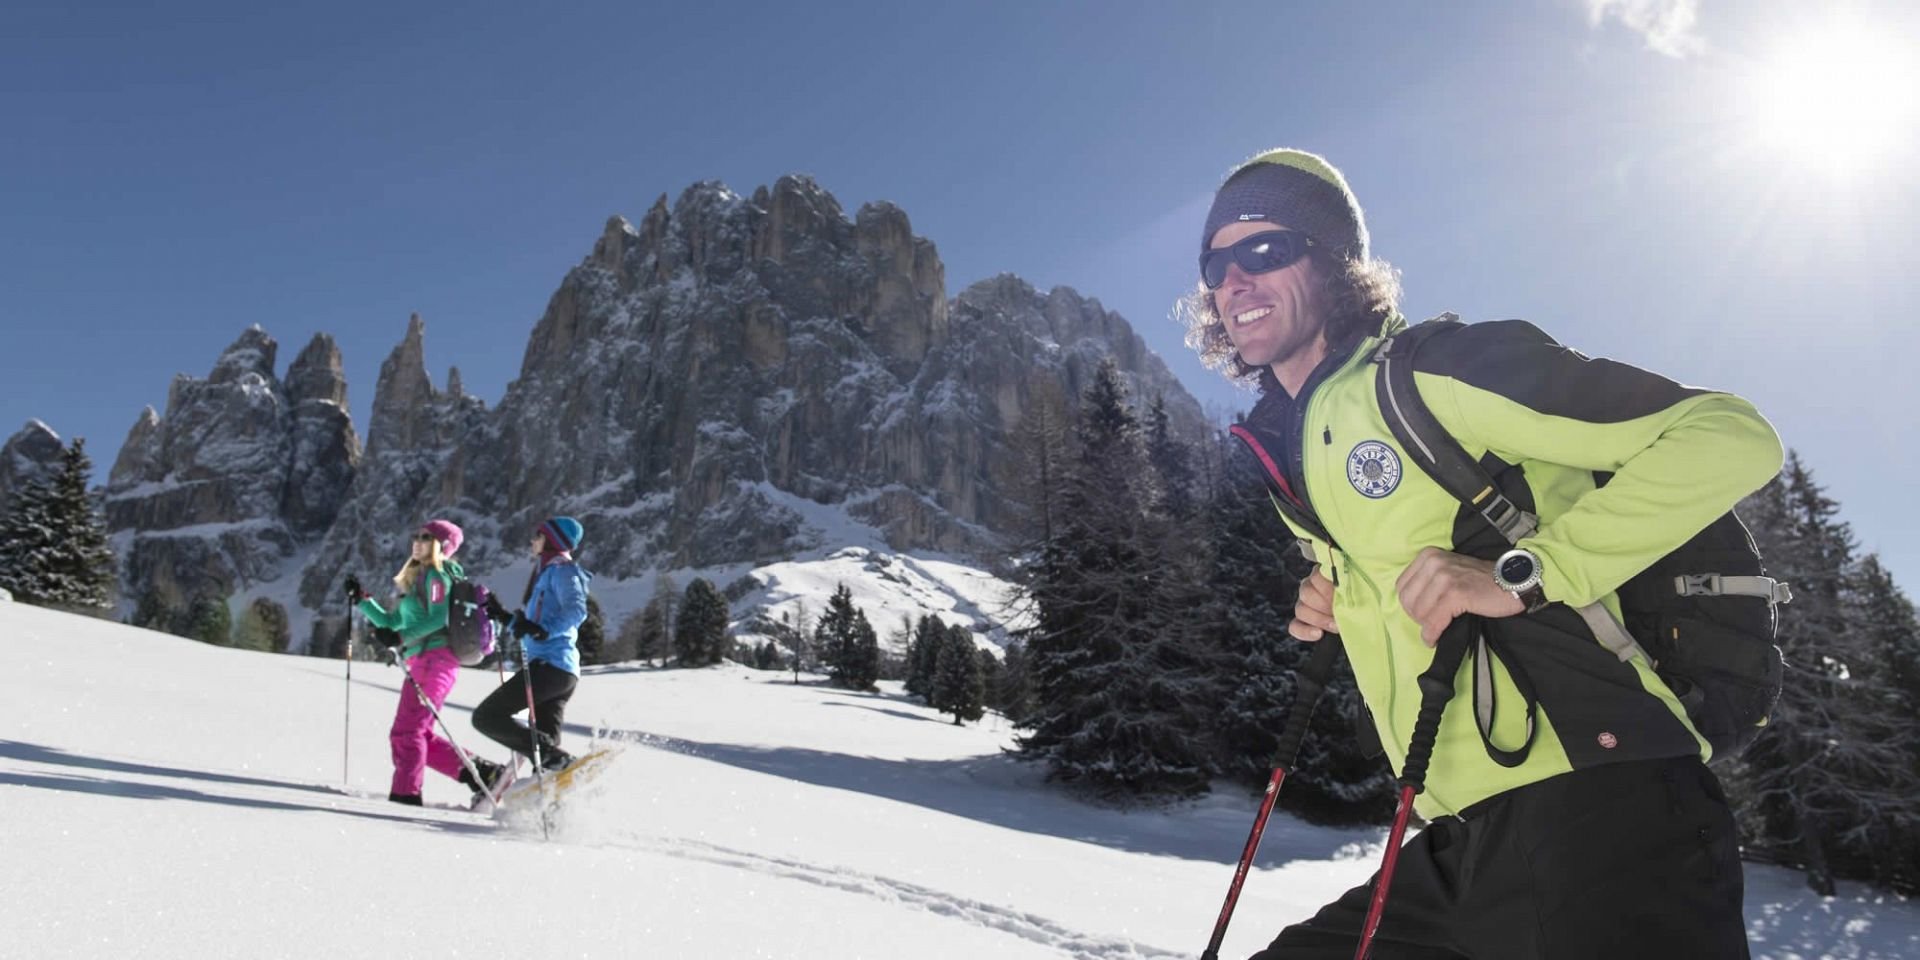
(159,798)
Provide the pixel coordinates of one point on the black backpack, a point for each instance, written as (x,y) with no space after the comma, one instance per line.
(469,631)
(1704,614)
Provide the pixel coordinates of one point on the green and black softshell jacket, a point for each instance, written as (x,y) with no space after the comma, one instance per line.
(420,618)
(1620,465)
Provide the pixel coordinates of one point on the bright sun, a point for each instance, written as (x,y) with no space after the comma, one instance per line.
(1840,98)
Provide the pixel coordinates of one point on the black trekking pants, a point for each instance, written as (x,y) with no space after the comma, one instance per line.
(1630,860)
(552,688)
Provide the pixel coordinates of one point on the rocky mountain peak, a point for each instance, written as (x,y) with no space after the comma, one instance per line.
(250,465)
(404,395)
(33,455)
(252,353)
(317,374)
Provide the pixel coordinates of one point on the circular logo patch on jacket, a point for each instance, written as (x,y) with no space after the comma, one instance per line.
(1373,469)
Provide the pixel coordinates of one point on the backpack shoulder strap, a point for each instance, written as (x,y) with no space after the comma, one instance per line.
(1428,443)
(1279,491)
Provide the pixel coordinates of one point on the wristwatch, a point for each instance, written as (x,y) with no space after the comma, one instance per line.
(1518,572)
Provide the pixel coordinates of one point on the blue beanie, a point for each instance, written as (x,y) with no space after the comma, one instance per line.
(563,532)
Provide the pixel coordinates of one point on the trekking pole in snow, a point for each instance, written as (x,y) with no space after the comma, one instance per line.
(1436,688)
(346,732)
(1308,684)
(500,664)
(533,733)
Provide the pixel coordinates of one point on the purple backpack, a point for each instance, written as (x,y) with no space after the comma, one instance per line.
(469,630)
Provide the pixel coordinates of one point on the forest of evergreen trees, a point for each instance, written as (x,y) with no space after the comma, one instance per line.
(1160,583)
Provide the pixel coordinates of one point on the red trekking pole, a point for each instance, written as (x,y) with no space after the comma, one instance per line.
(1436,688)
(1309,683)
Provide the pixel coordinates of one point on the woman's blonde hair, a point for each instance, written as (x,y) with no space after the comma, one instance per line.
(410,574)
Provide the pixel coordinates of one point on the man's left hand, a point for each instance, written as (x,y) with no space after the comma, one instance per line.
(1439,586)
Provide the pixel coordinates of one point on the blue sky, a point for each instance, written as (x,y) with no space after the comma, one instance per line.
(1632,175)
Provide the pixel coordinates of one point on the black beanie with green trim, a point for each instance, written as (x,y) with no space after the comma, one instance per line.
(1293,189)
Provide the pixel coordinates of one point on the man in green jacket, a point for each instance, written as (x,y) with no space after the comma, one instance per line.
(1572,812)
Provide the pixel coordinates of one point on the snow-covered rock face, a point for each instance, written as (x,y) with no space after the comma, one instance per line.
(241,468)
(732,344)
(31,456)
(325,449)
(701,390)
(419,443)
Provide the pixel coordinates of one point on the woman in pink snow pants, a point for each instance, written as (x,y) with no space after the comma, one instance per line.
(417,624)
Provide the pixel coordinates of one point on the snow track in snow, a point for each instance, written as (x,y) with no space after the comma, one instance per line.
(1027,926)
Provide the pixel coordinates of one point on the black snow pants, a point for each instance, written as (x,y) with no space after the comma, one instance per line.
(552,688)
(1629,861)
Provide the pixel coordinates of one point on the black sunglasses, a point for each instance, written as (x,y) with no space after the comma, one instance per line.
(423,538)
(1260,253)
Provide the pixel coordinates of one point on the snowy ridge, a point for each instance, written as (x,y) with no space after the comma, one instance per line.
(888,586)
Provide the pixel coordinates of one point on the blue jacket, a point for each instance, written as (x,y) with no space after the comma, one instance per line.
(559,605)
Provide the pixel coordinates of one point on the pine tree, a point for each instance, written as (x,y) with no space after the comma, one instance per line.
(989,675)
(592,637)
(922,652)
(901,639)
(626,640)
(847,643)
(1830,783)
(958,687)
(209,621)
(863,664)
(26,536)
(263,626)
(700,637)
(649,630)
(1888,617)
(766,656)
(154,613)
(1040,444)
(1012,695)
(53,541)
(1888,626)
(654,631)
(791,633)
(1172,464)
(1118,684)
(1255,573)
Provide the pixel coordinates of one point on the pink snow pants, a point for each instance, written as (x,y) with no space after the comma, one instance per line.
(416,743)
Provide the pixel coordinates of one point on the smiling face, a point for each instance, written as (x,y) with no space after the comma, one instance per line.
(1275,319)
(422,547)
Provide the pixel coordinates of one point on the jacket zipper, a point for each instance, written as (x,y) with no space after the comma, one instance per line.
(1360,352)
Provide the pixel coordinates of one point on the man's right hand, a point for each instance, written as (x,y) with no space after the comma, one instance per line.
(1313,612)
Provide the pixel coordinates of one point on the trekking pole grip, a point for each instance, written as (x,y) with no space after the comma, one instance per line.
(1436,690)
(1308,686)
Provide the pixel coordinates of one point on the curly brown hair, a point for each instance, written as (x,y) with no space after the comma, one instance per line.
(1362,295)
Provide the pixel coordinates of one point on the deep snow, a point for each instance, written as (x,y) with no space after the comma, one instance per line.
(161,798)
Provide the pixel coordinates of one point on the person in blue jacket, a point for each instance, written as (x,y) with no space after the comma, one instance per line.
(547,626)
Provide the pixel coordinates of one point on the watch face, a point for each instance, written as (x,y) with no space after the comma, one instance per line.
(1516,568)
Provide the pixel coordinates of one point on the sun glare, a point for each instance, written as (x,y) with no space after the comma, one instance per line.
(1840,99)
